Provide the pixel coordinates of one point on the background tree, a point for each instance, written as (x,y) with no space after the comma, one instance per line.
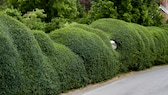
(144,12)
(2,4)
(59,12)
(53,8)
(102,9)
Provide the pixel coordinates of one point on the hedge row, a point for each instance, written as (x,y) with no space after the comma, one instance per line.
(34,64)
(98,32)
(160,37)
(70,67)
(138,46)
(100,62)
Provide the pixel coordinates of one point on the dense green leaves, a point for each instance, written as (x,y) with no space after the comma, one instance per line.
(100,62)
(102,9)
(53,8)
(32,19)
(69,66)
(144,12)
(161,44)
(33,63)
(11,79)
(38,76)
(138,46)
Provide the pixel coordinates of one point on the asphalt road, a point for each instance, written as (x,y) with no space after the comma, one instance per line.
(150,82)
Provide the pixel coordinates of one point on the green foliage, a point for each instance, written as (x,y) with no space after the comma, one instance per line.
(11,79)
(160,37)
(144,12)
(100,33)
(53,8)
(38,76)
(145,44)
(102,9)
(33,19)
(100,62)
(69,66)
(13,13)
(133,45)
(56,23)
(3,4)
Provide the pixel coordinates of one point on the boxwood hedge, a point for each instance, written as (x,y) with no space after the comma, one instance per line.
(33,62)
(99,32)
(69,66)
(145,44)
(99,62)
(38,76)
(133,45)
(11,79)
(160,37)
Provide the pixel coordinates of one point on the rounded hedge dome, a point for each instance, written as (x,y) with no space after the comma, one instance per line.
(22,52)
(68,65)
(160,37)
(98,32)
(100,62)
(131,42)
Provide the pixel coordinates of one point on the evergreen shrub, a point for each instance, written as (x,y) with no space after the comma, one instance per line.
(100,33)
(38,76)
(11,79)
(145,44)
(165,32)
(130,42)
(70,67)
(160,37)
(100,62)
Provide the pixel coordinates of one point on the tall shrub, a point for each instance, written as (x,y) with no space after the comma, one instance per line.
(98,32)
(130,42)
(99,61)
(39,76)
(160,38)
(70,67)
(11,78)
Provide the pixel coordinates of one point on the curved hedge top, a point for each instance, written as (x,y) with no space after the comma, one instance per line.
(160,37)
(69,66)
(147,45)
(11,79)
(99,61)
(25,49)
(100,33)
(130,42)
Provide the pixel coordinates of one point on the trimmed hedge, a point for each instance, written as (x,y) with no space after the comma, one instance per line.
(133,45)
(145,44)
(69,66)
(100,33)
(33,62)
(100,62)
(160,37)
(165,33)
(38,76)
(11,79)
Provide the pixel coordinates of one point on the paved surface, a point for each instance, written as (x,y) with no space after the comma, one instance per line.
(150,82)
